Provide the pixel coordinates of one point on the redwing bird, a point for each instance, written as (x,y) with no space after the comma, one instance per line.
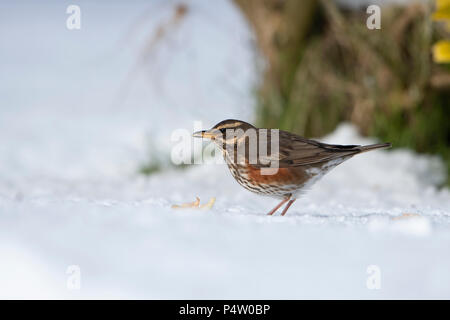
(277,163)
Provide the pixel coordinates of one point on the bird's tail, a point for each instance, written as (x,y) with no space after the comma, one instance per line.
(374,146)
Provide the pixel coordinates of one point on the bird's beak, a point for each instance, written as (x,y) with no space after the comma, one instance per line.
(198,134)
(204,134)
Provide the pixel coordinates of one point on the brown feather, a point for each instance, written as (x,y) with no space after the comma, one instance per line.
(299,162)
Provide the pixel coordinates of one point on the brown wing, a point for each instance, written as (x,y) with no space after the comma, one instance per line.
(295,150)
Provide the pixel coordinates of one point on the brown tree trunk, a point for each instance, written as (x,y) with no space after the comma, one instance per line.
(280,27)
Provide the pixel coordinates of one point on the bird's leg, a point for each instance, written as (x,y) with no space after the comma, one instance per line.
(287,207)
(277,207)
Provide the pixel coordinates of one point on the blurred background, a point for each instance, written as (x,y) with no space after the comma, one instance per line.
(134,73)
(325,66)
(86,118)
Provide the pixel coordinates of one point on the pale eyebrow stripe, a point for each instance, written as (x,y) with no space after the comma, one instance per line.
(228,125)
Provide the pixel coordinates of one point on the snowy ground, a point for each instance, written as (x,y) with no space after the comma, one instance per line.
(129,243)
(70,194)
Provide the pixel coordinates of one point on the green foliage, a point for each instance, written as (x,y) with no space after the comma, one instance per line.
(155,166)
(384,81)
(424,129)
(149,168)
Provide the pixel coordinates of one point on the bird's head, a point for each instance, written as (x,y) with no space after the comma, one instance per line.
(226,132)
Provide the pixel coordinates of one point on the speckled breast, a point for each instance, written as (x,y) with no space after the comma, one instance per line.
(282,183)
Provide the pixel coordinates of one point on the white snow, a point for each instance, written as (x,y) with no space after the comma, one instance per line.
(70,193)
(129,243)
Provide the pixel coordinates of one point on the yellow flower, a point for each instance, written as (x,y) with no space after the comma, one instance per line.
(441,51)
(443,10)
(442,3)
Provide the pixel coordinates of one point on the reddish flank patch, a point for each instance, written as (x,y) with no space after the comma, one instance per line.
(283,176)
